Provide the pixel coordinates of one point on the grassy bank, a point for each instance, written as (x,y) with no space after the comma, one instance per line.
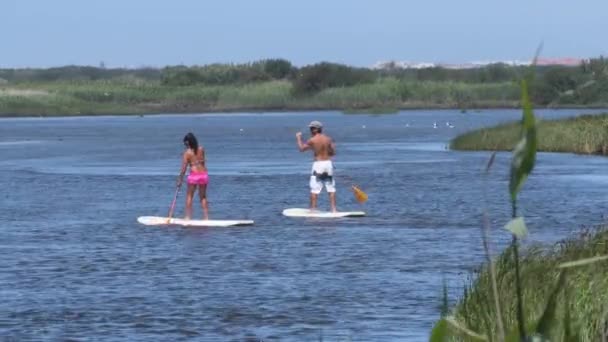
(586,134)
(583,292)
(137,96)
(277,84)
(559,293)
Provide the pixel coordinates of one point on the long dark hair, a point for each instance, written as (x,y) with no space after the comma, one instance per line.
(191,141)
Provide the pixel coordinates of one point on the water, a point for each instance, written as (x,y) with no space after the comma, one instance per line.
(76,265)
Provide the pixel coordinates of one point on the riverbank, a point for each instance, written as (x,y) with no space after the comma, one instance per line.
(276,84)
(585,134)
(582,293)
(139,97)
(111,97)
(557,292)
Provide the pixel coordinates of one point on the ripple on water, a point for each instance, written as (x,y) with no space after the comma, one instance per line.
(78,267)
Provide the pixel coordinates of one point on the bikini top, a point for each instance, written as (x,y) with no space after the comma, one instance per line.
(198,161)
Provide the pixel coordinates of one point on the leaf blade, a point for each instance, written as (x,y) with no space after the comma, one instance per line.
(517,227)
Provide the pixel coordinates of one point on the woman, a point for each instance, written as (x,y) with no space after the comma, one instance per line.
(198,177)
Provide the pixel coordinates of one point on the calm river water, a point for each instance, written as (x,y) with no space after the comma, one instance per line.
(76,265)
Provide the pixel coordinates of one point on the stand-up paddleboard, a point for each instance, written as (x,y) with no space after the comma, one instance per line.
(301,212)
(165,221)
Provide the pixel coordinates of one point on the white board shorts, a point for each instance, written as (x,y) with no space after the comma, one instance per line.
(316,183)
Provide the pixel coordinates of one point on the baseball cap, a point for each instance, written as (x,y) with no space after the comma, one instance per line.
(315,124)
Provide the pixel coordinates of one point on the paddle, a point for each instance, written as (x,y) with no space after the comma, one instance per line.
(179,186)
(360,195)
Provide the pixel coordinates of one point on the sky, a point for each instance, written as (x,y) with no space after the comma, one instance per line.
(137,33)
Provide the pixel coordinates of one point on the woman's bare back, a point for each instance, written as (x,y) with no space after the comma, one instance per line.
(196,161)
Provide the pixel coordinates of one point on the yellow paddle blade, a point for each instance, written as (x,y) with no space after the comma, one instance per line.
(359,194)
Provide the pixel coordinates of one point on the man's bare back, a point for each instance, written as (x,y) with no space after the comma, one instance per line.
(323,146)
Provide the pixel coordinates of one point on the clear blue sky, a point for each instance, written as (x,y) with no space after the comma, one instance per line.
(156,33)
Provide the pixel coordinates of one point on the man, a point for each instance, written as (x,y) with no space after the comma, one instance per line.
(322,168)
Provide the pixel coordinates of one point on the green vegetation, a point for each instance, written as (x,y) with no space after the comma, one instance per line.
(585,134)
(553,294)
(276,84)
(582,294)
(125,97)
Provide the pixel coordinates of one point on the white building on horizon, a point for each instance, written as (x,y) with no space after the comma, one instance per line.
(567,61)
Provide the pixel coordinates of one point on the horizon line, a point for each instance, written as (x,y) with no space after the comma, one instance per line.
(401,64)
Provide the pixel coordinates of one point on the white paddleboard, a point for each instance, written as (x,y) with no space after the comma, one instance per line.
(301,212)
(164,221)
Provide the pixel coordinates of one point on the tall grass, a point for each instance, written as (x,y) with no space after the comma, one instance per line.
(587,287)
(133,95)
(54,104)
(379,94)
(540,295)
(585,134)
(460,94)
(268,95)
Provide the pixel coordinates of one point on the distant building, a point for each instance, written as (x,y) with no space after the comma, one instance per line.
(560,61)
(402,65)
(388,65)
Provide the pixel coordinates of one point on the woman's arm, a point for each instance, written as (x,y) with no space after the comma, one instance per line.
(182,172)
